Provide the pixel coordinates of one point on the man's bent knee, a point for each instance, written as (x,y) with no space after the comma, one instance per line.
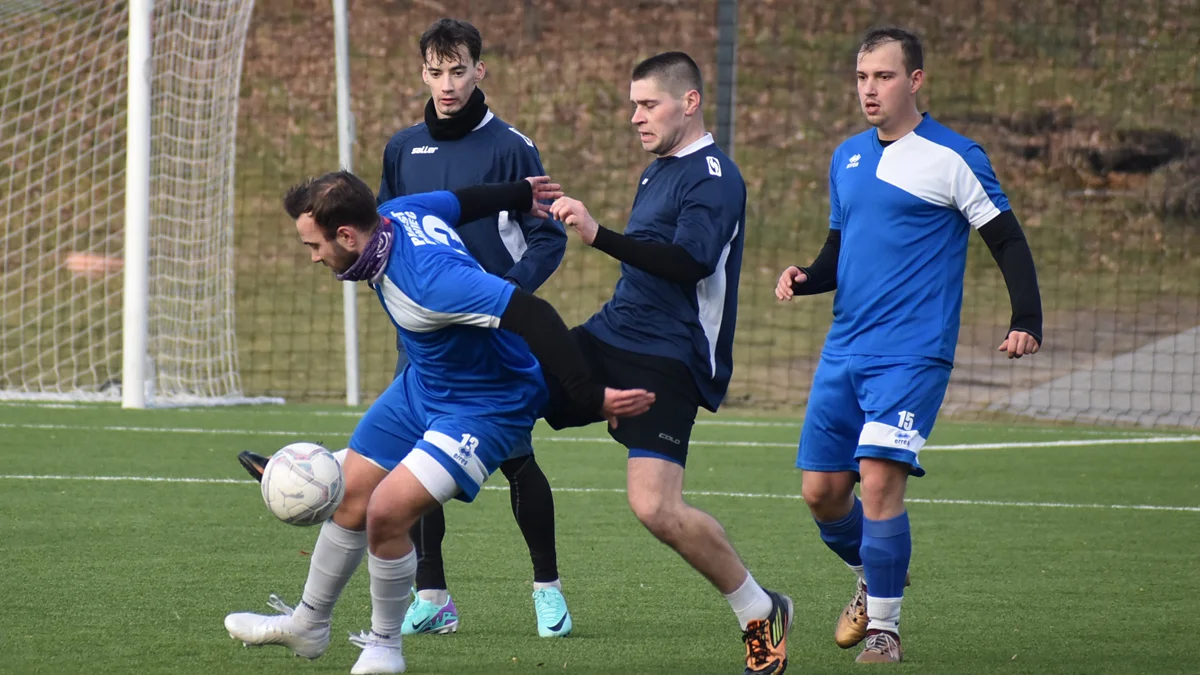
(362,477)
(661,514)
(883,485)
(387,520)
(655,488)
(829,495)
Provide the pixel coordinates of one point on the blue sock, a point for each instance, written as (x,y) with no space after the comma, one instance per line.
(886,550)
(845,537)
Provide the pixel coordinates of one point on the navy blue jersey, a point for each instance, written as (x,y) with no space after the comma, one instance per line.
(517,247)
(447,312)
(696,199)
(905,212)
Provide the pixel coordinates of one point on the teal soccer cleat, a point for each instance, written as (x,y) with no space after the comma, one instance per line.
(425,617)
(553,619)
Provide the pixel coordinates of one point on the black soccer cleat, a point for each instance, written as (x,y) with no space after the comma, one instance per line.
(253,464)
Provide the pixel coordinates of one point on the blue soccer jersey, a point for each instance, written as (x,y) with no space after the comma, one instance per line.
(696,199)
(446,310)
(905,212)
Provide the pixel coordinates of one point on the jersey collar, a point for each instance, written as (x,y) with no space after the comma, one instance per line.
(879,146)
(483,123)
(702,142)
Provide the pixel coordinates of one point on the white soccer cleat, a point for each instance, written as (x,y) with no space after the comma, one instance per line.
(380,655)
(256,630)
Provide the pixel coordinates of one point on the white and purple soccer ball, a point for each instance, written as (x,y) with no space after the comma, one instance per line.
(303,484)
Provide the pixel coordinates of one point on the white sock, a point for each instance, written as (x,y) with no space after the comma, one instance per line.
(539,585)
(858,570)
(391,586)
(438,596)
(749,602)
(336,555)
(883,614)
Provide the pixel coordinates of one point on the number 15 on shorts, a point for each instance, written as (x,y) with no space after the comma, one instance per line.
(906,420)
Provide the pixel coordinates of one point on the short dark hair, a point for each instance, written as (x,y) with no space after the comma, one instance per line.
(675,71)
(910,45)
(335,199)
(445,36)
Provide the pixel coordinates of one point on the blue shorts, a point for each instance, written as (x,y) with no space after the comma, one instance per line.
(523,449)
(882,407)
(469,448)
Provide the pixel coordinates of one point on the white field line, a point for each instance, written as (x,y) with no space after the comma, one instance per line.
(1146,440)
(577,490)
(760,424)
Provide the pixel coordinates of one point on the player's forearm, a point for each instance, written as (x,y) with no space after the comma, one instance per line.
(546,245)
(822,273)
(543,330)
(478,201)
(666,261)
(1010,249)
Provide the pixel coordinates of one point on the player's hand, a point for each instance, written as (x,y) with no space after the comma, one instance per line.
(543,191)
(1018,344)
(792,275)
(625,403)
(572,213)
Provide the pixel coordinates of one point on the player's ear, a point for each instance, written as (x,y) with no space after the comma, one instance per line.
(346,236)
(424,74)
(480,72)
(691,102)
(918,79)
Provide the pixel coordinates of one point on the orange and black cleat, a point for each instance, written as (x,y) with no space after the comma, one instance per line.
(766,639)
(254,464)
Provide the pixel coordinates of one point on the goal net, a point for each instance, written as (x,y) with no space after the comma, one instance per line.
(63,68)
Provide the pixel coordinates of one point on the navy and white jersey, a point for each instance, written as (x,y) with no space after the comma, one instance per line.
(519,247)
(446,309)
(696,199)
(905,212)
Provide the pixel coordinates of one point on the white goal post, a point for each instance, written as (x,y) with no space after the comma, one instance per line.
(118,126)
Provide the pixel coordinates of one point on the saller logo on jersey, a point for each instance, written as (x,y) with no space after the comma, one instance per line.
(425,150)
(853,161)
(714,166)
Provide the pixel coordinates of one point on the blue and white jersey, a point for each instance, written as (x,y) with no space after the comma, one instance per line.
(696,199)
(446,310)
(905,212)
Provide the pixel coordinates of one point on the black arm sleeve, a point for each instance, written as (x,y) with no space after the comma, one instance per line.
(1003,235)
(667,261)
(478,201)
(543,329)
(822,273)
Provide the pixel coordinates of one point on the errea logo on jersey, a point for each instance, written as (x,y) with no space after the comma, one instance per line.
(853,161)
(425,150)
(714,166)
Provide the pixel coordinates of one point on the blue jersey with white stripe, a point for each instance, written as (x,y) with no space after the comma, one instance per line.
(447,310)
(696,199)
(905,212)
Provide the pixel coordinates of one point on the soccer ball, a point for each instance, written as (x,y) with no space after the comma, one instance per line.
(303,484)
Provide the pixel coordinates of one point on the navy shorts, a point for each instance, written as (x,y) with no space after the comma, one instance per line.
(663,431)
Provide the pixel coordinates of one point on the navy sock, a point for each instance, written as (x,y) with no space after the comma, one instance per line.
(886,550)
(845,537)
